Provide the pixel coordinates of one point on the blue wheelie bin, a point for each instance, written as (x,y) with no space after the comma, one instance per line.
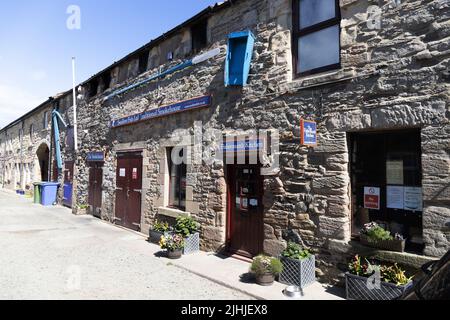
(49,191)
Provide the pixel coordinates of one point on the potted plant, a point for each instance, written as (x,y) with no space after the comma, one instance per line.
(367,281)
(158,230)
(374,235)
(173,244)
(188,228)
(299,266)
(266,269)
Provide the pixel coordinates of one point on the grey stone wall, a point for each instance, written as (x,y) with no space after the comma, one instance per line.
(396,77)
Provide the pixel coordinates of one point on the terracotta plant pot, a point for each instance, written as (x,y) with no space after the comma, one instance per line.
(174,254)
(266,279)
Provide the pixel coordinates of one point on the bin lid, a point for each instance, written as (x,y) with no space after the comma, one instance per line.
(37,183)
(49,184)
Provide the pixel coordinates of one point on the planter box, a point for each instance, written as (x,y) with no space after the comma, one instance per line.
(192,244)
(357,288)
(300,273)
(390,245)
(155,236)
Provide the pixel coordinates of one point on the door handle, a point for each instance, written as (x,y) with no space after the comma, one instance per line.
(121,189)
(128,193)
(137,190)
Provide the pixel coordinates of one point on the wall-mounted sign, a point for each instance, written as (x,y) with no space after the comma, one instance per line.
(413,199)
(394,172)
(95,156)
(243,145)
(372,198)
(308,133)
(122,172)
(394,197)
(135,174)
(191,104)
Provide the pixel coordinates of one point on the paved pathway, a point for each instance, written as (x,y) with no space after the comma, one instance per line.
(48,253)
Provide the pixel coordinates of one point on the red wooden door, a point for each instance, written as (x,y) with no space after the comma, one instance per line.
(128,190)
(95,189)
(245,209)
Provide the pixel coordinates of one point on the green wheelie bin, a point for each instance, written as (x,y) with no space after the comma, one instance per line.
(37,192)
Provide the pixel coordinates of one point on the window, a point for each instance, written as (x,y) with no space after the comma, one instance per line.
(388,166)
(177,178)
(143,61)
(20,135)
(199,36)
(106,79)
(45,122)
(31,131)
(316,36)
(93,86)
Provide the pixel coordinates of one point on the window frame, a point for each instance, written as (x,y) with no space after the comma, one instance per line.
(45,120)
(297,33)
(178,179)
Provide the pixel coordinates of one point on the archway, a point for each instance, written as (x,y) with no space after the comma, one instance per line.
(43,155)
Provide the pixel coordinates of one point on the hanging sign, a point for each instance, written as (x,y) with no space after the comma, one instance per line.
(191,104)
(413,199)
(394,197)
(308,133)
(372,198)
(394,172)
(95,156)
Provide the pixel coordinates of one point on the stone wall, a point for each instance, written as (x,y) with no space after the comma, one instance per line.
(396,77)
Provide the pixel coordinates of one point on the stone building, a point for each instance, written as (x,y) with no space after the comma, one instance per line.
(373,76)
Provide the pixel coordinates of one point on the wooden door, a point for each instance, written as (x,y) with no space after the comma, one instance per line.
(95,189)
(128,190)
(245,209)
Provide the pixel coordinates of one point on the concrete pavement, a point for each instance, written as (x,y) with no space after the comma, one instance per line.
(48,253)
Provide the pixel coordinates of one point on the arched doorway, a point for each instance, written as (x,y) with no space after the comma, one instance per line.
(43,155)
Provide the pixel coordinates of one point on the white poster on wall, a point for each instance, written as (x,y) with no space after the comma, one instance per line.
(413,199)
(394,197)
(122,172)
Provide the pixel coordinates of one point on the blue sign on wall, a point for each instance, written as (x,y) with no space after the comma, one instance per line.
(243,145)
(164,111)
(308,133)
(95,156)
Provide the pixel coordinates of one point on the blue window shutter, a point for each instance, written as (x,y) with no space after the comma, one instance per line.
(239,57)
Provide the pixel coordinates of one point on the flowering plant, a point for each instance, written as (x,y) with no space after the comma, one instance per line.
(172,242)
(264,264)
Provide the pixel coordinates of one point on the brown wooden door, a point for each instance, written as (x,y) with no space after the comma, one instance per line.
(128,190)
(245,209)
(95,189)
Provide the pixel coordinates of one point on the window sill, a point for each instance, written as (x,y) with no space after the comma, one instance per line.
(173,213)
(319,79)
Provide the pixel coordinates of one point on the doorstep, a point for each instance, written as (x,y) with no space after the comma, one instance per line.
(226,271)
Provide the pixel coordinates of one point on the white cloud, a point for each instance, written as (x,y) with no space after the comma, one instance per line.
(15,102)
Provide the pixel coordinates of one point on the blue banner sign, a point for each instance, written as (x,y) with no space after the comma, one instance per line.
(95,156)
(243,145)
(164,111)
(308,133)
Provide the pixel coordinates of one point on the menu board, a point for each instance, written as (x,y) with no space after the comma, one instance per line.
(394,172)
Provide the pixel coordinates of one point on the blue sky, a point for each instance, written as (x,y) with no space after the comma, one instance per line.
(36,46)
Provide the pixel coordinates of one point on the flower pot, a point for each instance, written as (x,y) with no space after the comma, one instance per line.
(362,288)
(266,279)
(174,254)
(155,236)
(390,245)
(301,273)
